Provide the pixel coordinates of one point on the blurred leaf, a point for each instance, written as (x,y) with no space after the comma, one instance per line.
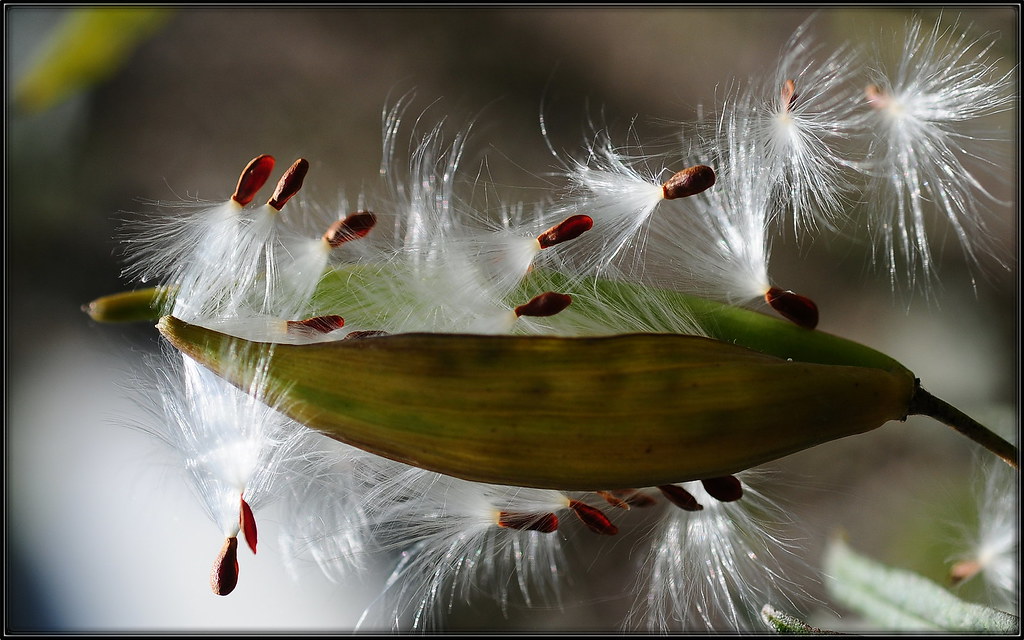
(900,600)
(89,46)
(782,622)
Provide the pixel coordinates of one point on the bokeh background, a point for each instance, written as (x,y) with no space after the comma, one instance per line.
(100,535)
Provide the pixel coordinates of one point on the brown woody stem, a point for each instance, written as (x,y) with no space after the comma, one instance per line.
(925,404)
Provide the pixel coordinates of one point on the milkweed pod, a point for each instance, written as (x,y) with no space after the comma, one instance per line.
(605,413)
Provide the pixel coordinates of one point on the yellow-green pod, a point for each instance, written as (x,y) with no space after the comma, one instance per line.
(565,413)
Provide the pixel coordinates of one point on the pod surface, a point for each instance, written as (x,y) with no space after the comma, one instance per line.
(564,413)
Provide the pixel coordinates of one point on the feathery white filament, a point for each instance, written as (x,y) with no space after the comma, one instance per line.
(919,107)
(714,568)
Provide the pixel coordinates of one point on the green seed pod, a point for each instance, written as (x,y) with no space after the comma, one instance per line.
(129,306)
(563,413)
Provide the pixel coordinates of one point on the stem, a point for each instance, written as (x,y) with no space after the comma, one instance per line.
(925,404)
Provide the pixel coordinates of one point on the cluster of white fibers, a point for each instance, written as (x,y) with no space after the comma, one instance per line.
(620,189)
(803,117)
(716,567)
(924,95)
(457,541)
(234,447)
(993,551)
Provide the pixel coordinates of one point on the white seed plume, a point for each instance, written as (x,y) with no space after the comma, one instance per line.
(714,568)
(921,156)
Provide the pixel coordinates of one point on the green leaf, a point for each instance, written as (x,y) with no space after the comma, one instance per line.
(782,622)
(900,600)
(88,47)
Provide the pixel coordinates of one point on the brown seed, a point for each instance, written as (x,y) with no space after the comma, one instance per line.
(723,489)
(253,177)
(224,576)
(543,522)
(367,333)
(627,498)
(595,520)
(877,97)
(789,95)
(963,571)
(289,184)
(247,523)
(613,500)
(635,498)
(545,304)
(318,324)
(565,230)
(796,308)
(689,182)
(680,497)
(351,227)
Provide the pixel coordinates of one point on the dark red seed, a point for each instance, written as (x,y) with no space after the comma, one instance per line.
(724,489)
(289,184)
(565,230)
(593,518)
(543,522)
(796,308)
(224,576)
(247,522)
(253,177)
(318,324)
(545,304)
(689,182)
(680,497)
(351,227)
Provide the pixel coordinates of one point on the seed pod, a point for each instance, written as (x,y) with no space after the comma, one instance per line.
(560,413)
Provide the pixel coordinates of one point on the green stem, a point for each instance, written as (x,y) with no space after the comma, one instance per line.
(925,404)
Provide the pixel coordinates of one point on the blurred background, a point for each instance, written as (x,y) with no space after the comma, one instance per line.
(100,534)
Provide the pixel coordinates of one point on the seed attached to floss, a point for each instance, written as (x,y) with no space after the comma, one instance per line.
(723,489)
(253,177)
(680,497)
(634,497)
(247,523)
(571,227)
(367,333)
(318,324)
(627,498)
(543,522)
(689,182)
(544,305)
(877,98)
(614,500)
(351,227)
(796,308)
(789,95)
(963,571)
(595,520)
(289,184)
(224,576)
